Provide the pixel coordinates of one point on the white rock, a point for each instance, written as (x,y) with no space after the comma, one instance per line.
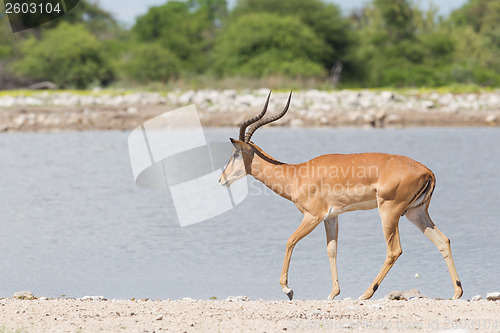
(428,104)
(492,118)
(402,295)
(92,298)
(32,101)
(476,298)
(263,91)
(471,97)
(369,118)
(387,95)
(393,118)
(323,120)
(380,115)
(237,298)
(375,306)
(353,116)
(493,296)
(434,96)
(20,120)
(132,110)
(352,100)
(494,100)
(296,123)
(24,295)
(7,101)
(189,299)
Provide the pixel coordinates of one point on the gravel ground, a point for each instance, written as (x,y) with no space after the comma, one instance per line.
(71,315)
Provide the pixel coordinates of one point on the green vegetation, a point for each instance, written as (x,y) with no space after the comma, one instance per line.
(279,44)
(78,61)
(268,44)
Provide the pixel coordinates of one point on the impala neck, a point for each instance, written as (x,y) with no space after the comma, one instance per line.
(276,175)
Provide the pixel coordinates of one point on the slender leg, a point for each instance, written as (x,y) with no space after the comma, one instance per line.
(420,217)
(308,224)
(332,233)
(390,218)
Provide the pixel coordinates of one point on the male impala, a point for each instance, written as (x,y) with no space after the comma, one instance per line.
(329,185)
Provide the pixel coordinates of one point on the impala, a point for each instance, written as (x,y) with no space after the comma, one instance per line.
(329,185)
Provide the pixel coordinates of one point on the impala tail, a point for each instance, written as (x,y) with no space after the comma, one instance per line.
(424,196)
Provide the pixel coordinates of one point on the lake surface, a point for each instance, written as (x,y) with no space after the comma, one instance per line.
(74,223)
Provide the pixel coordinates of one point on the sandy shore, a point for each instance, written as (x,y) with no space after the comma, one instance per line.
(70,315)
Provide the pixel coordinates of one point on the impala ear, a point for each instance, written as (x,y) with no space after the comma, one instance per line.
(235,143)
(238,144)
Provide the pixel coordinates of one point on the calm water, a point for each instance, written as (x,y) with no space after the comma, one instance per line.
(74,223)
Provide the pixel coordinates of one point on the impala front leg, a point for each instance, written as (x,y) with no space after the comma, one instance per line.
(332,233)
(308,224)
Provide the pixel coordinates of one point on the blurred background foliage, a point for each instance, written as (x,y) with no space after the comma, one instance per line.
(198,43)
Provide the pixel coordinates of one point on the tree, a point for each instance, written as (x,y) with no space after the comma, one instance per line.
(400,45)
(68,55)
(324,19)
(151,62)
(477,40)
(7,38)
(98,21)
(265,44)
(481,15)
(185,28)
(398,17)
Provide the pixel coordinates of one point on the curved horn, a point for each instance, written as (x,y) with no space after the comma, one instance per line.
(250,121)
(267,120)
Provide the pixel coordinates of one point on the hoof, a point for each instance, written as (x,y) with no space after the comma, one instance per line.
(458,293)
(289,293)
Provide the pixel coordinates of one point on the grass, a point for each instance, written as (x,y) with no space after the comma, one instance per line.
(278,84)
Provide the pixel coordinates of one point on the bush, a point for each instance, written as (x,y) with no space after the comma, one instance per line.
(184,28)
(152,62)
(68,55)
(324,18)
(269,44)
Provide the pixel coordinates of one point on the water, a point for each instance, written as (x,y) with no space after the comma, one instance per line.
(74,223)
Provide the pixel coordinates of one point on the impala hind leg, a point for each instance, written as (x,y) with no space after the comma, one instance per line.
(420,217)
(390,219)
(332,232)
(308,224)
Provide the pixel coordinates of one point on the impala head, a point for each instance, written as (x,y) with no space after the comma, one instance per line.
(239,164)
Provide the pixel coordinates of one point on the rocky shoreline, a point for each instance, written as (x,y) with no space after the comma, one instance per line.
(116,110)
